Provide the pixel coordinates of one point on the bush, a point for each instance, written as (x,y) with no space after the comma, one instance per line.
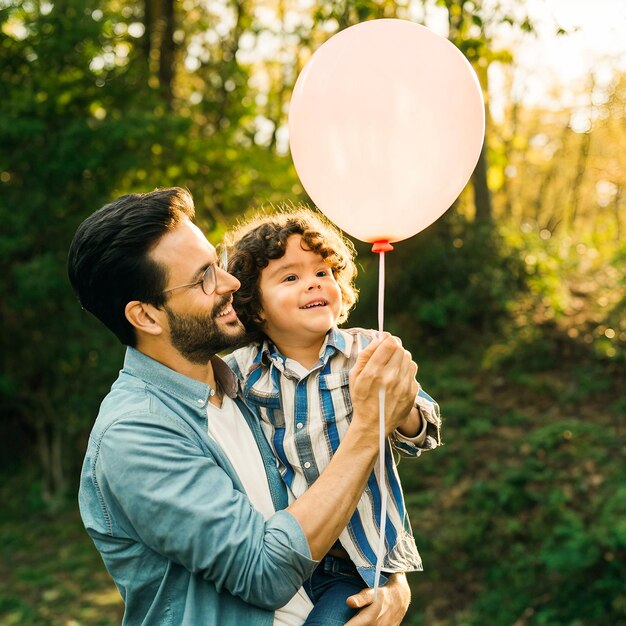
(454,277)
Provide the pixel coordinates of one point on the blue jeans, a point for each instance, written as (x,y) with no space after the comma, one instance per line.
(333,581)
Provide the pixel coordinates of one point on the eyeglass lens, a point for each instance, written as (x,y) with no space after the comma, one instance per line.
(209,280)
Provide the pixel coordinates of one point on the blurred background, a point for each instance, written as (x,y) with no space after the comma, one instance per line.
(513,303)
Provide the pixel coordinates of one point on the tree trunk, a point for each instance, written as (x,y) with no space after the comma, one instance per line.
(166,51)
(49,439)
(546,182)
(146,41)
(616,208)
(581,166)
(508,147)
(482,195)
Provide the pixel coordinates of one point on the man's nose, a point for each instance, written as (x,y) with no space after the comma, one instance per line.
(226,283)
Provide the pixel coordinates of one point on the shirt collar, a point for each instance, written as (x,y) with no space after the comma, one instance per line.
(340,340)
(336,340)
(187,389)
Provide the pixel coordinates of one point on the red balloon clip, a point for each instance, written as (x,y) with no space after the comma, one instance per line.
(381,246)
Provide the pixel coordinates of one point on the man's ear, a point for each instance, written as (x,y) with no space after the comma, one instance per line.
(144,317)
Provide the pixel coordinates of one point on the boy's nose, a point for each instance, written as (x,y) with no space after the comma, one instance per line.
(314,285)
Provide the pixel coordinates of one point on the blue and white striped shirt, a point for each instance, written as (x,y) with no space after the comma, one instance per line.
(304,416)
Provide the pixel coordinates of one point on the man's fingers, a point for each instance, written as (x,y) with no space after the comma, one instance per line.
(361,599)
(369,613)
(365,617)
(400,370)
(386,354)
(366,354)
(386,365)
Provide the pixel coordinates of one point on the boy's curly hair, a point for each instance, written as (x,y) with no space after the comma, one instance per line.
(251,245)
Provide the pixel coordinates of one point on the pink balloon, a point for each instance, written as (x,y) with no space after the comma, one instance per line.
(386,124)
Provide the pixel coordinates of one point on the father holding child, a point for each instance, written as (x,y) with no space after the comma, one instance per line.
(190,513)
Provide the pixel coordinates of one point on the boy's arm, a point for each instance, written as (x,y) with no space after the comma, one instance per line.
(422,429)
(414,427)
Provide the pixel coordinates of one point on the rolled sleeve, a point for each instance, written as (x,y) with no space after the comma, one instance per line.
(429,436)
(177,500)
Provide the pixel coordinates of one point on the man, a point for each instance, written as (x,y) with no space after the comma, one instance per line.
(188,510)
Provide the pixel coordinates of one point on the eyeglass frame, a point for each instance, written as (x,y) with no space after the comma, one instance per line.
(210,268)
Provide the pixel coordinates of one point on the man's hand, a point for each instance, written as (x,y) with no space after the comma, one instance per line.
(383,363)
(389,608)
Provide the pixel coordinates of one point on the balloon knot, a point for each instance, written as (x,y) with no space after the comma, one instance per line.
(381,246)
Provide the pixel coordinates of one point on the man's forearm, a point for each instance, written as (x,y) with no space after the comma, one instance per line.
(325,509)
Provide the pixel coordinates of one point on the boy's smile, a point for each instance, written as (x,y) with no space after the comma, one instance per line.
(300,298)
(315,303)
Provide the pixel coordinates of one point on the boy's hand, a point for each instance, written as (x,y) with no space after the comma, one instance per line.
(389,607)
(384,362)
(412,425)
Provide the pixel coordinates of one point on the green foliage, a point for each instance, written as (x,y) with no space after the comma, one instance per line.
(527,523)
(562,499)
(58,156)
(79,119)
(453,278)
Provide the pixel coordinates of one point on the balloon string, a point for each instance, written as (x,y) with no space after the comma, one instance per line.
(382,440)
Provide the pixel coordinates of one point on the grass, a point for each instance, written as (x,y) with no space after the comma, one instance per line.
(50,572)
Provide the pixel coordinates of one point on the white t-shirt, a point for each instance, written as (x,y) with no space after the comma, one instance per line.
(228,427)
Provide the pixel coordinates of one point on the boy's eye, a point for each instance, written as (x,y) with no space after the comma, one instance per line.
(323,273)
(290,278)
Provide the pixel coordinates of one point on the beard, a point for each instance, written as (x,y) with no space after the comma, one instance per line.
(199,337)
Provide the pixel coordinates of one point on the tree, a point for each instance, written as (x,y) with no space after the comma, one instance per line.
(73,125)
(99,101)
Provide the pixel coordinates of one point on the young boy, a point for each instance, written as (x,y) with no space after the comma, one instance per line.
(297,284)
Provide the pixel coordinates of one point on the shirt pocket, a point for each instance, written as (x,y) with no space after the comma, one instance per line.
(335,396)
(269,407)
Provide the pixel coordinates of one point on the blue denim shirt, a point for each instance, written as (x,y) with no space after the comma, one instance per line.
(170,516)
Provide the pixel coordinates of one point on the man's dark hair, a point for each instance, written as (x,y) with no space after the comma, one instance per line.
(109,262)
(257,241)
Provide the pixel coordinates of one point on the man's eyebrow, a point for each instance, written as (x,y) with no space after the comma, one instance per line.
(198,273)
(201,270)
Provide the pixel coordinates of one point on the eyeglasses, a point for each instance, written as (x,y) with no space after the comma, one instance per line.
(208,281)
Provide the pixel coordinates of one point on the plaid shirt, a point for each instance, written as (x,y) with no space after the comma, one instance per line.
(304,416)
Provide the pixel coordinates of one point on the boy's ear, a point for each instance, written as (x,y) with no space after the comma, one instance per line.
(144,317)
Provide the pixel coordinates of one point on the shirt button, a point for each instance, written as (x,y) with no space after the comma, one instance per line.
(200,401)
(307,465)
(299,425)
